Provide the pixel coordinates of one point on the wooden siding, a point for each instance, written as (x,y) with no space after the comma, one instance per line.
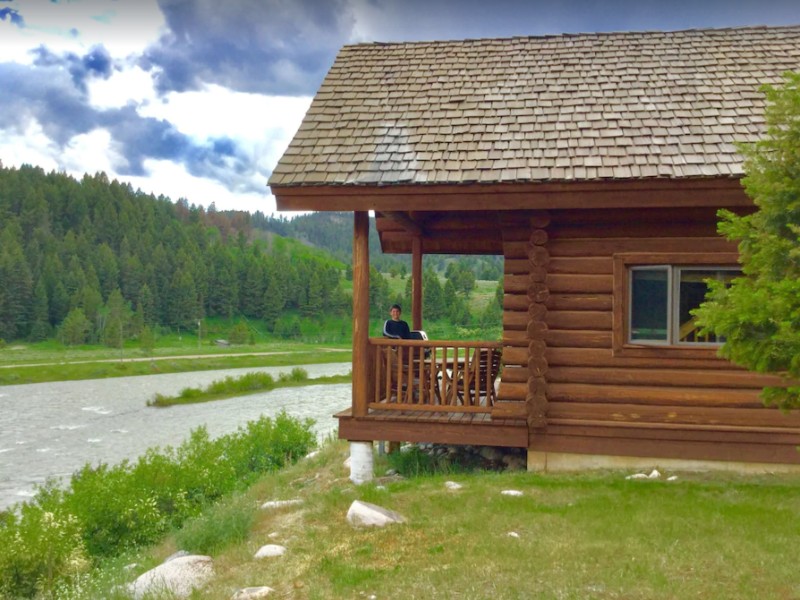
(559,339)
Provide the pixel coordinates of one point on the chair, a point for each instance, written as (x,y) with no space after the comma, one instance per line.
(475,384)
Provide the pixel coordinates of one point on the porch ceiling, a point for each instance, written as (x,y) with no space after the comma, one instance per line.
(441,232)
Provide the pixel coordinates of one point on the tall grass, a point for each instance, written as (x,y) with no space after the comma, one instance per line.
(107,510)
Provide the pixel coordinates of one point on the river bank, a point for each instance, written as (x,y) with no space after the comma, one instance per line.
(52,429)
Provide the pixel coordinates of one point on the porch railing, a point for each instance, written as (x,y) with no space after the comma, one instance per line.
(434,375)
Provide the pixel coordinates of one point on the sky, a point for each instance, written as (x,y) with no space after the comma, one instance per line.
(198,99)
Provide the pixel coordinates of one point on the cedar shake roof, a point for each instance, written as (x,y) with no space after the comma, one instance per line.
(536,109)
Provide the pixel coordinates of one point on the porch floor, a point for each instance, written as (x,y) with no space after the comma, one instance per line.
(462,428)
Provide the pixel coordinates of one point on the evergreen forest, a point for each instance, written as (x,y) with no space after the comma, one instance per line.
(95,261)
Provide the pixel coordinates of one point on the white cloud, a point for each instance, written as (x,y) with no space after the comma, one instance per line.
(89,153)
(171,179)
(129,85)
(124,27)
(30,146)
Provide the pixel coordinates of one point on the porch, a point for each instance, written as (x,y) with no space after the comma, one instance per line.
(432,391)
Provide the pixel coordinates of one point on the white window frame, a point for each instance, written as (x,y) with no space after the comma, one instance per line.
(673,303)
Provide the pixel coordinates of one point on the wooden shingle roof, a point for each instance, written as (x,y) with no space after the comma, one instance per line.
(565,108)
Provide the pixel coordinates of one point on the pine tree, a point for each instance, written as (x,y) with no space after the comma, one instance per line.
(40,329)
(75,328)
(759,314)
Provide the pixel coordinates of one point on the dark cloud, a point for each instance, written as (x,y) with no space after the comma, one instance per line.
(271,47)
(50,94)
(12,15)
(96,63)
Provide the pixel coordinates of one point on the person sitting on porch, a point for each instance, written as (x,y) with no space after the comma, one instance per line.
(395,327)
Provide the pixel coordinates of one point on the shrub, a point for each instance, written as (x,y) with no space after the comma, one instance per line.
(107,510)
(225,523)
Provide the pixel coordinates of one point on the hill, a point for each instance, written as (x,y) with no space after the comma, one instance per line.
(96,260)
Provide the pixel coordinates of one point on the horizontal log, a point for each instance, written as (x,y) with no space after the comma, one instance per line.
(593,265)
(604,357)
(517,302)
(625,394)
(514,374)
(635,413)
(717,379)
(516,284)
(629,215)
(516,249)
(580,319)
(516,356)
(515,337)
(635,229)
(609,247)
(512,391)
(514,319)
(580,302)
(509,410)
(516,266)
(677,442)
(581,284)
(516,233)
(561,338)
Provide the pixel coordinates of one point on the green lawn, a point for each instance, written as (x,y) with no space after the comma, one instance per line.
(592,535)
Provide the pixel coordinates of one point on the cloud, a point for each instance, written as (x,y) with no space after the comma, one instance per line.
(12,15)
(276,47)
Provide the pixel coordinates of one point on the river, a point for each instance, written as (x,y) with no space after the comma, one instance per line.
(53,429)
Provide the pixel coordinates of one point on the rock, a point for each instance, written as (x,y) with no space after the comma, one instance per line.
(513,534)
(309,455)
(654,474)
(637,476)
(273,535)
(280,503)
(252,593)
(346,463)
(179,577)
(364,514)
(270,550)
(672,478)
(511,493)
(391,472)
(177,554)
(452,485)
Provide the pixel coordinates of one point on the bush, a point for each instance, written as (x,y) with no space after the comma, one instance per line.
(107,510)
(225,523)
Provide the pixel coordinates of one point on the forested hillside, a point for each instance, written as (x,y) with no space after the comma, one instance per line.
(94,260)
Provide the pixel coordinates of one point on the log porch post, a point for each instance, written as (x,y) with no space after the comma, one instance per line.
(416,282)
(360,312)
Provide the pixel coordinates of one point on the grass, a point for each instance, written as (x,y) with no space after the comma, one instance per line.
(249,383)
(38,363)
(591,535)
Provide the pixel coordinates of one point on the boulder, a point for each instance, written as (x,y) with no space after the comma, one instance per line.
(364,514)
(452,485)
(252,593)
(179,576)
(511,493)
(270,550)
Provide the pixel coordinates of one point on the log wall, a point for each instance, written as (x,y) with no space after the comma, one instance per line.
(582,396)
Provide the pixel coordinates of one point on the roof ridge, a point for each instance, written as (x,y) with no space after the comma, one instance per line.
(546,36)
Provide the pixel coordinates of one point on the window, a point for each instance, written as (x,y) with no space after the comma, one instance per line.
(661,298)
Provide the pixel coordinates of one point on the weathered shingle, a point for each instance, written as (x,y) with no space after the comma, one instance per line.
(555,108)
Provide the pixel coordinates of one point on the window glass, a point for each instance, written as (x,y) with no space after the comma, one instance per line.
(649,304)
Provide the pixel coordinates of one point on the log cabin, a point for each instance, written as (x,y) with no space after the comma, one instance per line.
(595,164)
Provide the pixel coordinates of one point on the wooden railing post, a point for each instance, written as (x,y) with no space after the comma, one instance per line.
(361,362)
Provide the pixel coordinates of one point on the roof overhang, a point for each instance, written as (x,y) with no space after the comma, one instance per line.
(466,218)
(633,193)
